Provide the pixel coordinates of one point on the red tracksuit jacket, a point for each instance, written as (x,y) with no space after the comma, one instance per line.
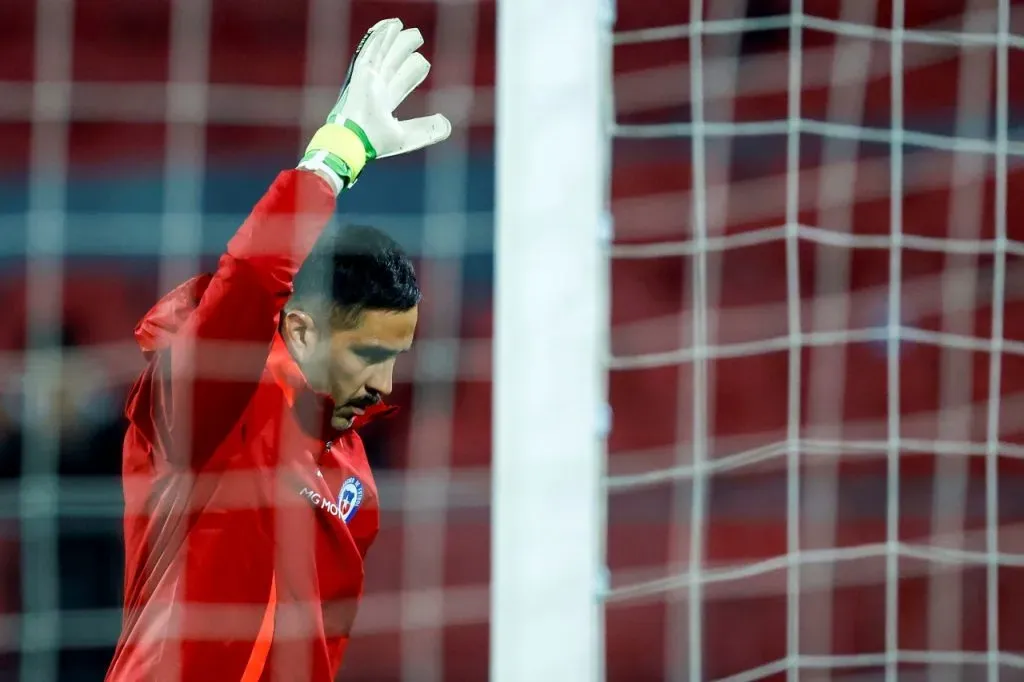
(247,518)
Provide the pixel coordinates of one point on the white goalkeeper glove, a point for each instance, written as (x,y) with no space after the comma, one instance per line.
(386,67)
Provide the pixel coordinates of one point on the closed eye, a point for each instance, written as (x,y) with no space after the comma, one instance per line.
(376,354)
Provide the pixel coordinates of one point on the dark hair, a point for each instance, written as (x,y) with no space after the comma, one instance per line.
(357,268)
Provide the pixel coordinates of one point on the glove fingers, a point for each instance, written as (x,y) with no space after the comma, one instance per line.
(362,45)
(362,55)
(411,73)
(378,42)
(405,43)
(422,132)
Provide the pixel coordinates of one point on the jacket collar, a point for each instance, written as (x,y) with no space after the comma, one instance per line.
(313,409)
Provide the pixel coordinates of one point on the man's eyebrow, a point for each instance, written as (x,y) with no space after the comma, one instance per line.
(382,351)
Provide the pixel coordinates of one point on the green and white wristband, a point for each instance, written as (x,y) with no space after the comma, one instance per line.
(334,170)
(338,152)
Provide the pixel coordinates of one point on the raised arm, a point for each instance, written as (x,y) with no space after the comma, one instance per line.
(201,380)
(207,374)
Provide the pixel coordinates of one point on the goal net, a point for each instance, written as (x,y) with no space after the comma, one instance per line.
(814,467)
(134,138)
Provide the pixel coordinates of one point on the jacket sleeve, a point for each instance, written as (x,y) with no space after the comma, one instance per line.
(204,379)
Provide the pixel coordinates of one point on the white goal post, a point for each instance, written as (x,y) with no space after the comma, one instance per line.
(550,348)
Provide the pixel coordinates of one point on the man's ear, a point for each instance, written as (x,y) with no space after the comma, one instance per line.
(300,333)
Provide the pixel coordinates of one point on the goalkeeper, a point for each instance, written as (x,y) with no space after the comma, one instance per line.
(249,501)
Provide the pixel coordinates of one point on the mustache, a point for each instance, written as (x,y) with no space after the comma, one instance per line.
(364,402)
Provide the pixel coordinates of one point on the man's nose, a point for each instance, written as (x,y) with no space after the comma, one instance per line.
(382,380)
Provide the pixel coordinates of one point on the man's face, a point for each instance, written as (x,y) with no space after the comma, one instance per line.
(355,365)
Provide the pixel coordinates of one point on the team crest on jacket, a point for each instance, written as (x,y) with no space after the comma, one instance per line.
(350,497)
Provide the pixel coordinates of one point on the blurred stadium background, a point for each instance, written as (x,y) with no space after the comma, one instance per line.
(135,135)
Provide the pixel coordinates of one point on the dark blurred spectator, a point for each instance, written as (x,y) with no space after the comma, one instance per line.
(757,42)
(82,411)
(80,408)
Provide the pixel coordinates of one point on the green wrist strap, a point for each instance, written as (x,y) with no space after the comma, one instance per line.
(348,149)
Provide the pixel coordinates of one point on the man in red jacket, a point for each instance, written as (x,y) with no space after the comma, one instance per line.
(250,504)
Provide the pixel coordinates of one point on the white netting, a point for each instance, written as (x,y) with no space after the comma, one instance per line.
(817,360)
(817,377)
(133,139)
